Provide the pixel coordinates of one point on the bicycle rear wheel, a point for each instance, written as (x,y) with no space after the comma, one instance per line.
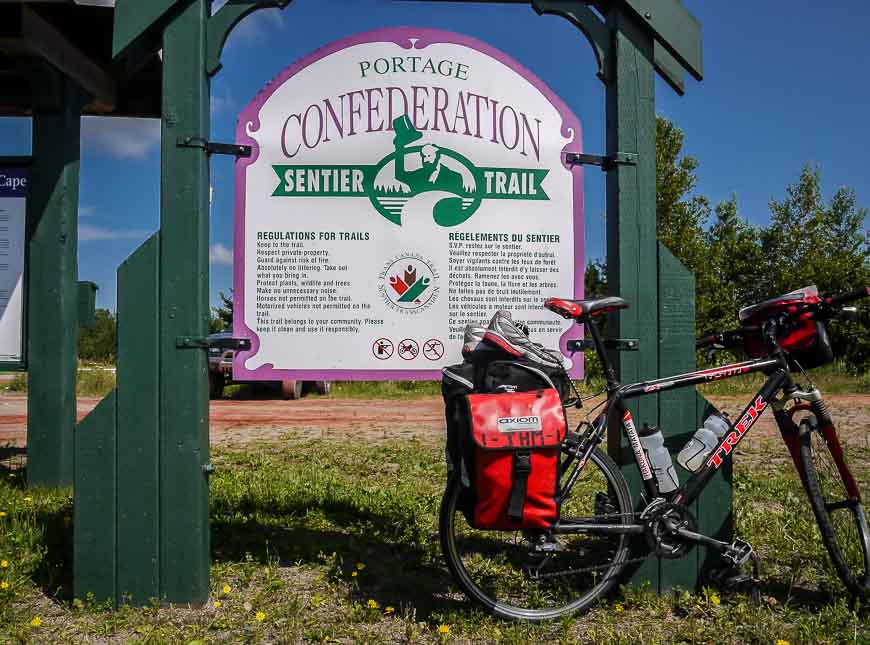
(503,572)
(836,504)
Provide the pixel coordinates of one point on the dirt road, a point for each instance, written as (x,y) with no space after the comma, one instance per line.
(238,422)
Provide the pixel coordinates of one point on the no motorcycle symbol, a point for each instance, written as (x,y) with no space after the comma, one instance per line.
(408,349)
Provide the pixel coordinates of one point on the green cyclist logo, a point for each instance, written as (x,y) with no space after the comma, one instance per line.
(415,168)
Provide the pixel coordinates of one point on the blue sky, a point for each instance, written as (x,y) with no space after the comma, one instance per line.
(786,83)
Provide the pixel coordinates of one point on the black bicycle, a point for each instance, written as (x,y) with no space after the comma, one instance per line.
(544,574)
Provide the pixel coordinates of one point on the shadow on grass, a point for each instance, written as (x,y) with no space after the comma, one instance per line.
(395,573)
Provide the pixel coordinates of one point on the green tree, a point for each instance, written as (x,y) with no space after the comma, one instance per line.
(809,242)
(100,343)
(222,315)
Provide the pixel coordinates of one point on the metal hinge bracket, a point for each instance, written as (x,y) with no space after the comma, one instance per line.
(615,344)
(607,162)
(199,342)
(213,147)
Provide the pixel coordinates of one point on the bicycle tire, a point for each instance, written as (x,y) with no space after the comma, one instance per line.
(844,530)
(449,515)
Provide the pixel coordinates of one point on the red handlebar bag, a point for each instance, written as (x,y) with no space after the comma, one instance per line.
(516,440)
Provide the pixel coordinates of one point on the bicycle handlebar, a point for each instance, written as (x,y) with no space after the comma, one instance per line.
(844,298)
(727,338)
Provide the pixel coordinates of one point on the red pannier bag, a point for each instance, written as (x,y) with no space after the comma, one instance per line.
(805,341)
(516,440)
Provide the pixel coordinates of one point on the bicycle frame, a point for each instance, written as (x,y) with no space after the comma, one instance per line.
(779,378)
(690,490)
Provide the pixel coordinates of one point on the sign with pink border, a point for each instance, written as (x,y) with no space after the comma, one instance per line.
(403,183)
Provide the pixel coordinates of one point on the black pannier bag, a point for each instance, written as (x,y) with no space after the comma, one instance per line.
(457,382)
(506,360)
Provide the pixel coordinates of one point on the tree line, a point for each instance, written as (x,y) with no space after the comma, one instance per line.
(808,240)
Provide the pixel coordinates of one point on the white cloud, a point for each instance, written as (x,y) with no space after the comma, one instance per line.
(255,26)
(120,137)
(220,104)
(93,233)
(221,255)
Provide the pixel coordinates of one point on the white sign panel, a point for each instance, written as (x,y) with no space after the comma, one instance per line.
(403,183)
(13,189)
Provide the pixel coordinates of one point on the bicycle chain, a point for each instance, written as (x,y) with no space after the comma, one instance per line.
(570,572)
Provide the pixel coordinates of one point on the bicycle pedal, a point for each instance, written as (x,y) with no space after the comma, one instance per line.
(738,553)
(731,579)
(544,548)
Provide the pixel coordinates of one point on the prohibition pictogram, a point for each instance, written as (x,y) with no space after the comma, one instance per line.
(383,348)
(408,349)
(433,349)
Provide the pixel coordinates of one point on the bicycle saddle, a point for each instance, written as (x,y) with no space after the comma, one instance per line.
(580,308)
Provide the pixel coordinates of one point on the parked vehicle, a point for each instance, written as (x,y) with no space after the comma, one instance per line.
(220,374)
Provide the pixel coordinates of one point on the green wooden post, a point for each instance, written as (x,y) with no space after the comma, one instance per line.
(138,429)
(677,413)
(184,448)
(631,230)
(52,293)
(94,562)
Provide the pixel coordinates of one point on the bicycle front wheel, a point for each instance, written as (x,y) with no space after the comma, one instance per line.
(836,504)
(522,575)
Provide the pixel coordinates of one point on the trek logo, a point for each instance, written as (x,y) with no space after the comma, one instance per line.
(734,437)
(519,424)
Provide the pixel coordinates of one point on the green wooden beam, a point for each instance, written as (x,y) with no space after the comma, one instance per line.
(589,24)
(224,21)
(677,30)
(52,271)
(137,19)
(184,310)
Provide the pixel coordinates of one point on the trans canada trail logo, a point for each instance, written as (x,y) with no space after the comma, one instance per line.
(409,283)
(414,167)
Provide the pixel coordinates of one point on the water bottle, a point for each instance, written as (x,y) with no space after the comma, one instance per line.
(659,458)
(705,440)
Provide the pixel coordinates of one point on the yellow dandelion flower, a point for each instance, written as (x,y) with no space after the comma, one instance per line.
(36,622)
(227,589)
(260,616)
(443,629)
(373,604)
(389,610)
(782,642)
(618,607)
(4,585)
(217,604)
(28,499)
(716,600)
(360,566)
(2,514)
(353,574)
(4,564)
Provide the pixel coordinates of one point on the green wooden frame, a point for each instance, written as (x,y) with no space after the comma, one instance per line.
(20,161)
(147,442)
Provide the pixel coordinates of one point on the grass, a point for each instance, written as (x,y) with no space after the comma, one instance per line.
(92,379)
(335,541)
